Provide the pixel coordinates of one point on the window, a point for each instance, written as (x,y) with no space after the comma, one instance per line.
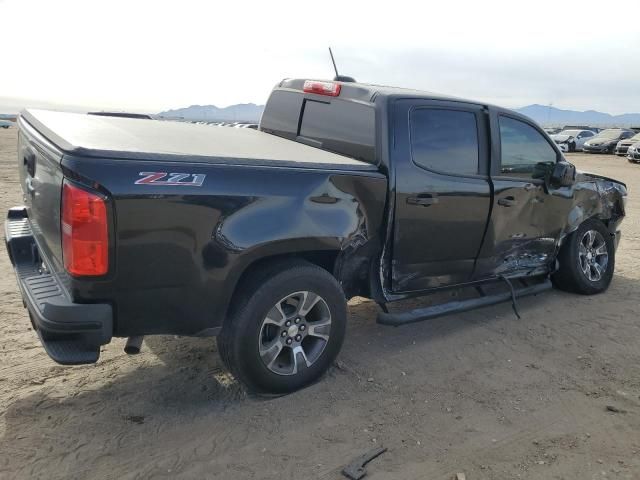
(445,140)
(343,127)
(281,114)
(586,134)
(525,152)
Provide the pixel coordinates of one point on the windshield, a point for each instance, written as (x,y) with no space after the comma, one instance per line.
(571,133)
(610,133)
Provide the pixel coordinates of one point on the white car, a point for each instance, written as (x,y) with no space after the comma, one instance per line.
(633,153)
(572,140)
(623,145)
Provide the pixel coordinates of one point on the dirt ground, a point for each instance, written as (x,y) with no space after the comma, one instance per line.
(481,392)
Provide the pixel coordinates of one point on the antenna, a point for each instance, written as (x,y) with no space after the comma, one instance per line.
(334,62)
(338,77)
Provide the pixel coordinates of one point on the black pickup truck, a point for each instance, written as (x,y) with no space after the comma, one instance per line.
(137,227)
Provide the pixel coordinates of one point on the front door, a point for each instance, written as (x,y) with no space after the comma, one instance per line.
(443,196)
(527,217)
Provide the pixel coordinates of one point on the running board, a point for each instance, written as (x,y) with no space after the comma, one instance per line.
(433,311)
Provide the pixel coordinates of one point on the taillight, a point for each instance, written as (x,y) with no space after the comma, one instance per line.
(322,88)
(85,236)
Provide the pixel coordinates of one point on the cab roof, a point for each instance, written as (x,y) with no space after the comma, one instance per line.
(367,92)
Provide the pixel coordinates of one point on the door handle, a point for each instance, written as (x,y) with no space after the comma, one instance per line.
(423,199)
(507,201)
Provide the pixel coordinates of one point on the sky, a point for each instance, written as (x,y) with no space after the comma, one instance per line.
(149,56)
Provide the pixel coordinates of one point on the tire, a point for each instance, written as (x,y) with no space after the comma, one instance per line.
(578,257)
(264,316)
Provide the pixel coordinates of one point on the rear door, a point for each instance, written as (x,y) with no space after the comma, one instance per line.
(439,156)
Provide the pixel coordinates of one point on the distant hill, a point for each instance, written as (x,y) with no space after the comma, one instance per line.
(243,112)
(547,115)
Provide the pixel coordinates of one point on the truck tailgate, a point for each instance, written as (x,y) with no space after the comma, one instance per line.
(41,180)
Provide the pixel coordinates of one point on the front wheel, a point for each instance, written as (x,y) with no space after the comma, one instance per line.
(285,329)
(586,260)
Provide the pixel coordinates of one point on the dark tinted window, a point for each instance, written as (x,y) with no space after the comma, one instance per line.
(587,133)
(343,127)
(525,152)
(445,140)
(281,114)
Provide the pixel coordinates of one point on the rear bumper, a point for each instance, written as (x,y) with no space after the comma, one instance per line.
(71,333)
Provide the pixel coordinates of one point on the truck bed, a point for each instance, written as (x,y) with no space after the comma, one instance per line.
(126,138)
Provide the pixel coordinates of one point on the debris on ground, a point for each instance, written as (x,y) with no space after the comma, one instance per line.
(356,469)
(614,409)
(137,419)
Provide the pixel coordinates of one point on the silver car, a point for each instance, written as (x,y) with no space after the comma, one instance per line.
(623,145)
(633,153)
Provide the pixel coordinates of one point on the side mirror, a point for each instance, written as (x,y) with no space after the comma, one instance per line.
(563,175)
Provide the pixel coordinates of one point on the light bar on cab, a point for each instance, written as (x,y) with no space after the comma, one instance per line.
(330,89)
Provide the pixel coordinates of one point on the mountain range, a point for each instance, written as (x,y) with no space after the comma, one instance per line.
(543,114)
(547,115)
(243,112)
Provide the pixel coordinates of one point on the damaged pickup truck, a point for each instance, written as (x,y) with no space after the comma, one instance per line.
(139,227)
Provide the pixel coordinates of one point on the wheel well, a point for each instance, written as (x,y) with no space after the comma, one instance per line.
(325,259)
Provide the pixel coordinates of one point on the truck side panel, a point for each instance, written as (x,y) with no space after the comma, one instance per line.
(182,248)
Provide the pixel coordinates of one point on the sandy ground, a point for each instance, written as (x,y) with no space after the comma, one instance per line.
(481,393)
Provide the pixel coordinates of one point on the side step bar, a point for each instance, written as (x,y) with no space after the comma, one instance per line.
(433,311)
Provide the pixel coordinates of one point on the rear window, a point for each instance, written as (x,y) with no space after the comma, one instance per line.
(343,127)
(281,114)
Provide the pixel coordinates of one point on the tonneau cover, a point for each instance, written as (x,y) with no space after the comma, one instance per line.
(137,139)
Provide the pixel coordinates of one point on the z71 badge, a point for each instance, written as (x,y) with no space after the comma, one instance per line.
(171,179)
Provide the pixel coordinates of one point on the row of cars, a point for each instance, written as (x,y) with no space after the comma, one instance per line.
(620,141)
(253,126)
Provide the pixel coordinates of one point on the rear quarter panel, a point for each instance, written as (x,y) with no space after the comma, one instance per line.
(180,250)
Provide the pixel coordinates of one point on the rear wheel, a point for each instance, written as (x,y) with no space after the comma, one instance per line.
(586,260)
(285,329)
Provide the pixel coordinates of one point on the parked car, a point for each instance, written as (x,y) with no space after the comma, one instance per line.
(6,124)
(633,153)
(552,130)
(623,145)
(572,140)
(260,237)
(606,140)
(582,127)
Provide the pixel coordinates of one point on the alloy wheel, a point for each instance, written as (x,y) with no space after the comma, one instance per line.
(294,333)
(593,256)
